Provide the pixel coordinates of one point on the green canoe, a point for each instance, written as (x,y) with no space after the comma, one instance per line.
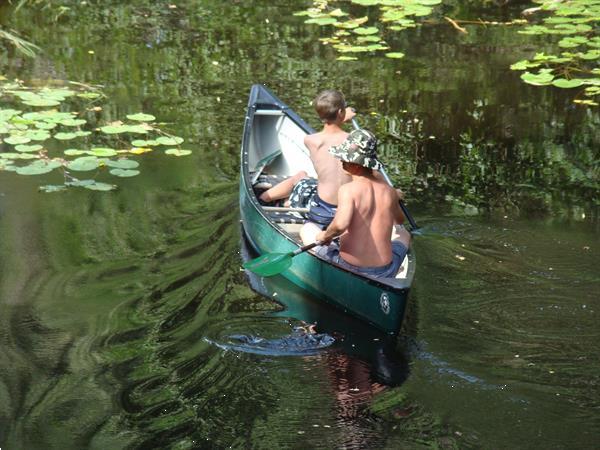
(273,146)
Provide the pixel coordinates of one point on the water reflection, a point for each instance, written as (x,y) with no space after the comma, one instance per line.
(361,362)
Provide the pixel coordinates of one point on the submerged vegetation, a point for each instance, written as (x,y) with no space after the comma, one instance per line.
(33,142)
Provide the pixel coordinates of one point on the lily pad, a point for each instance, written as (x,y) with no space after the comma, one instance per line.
(84,163)
(325,20)
(75,152)
(37,135)
(123,164)
(73,122)
(45,125)
(40,101)
(53,188)
(16,140)
(394,55)
(178,152)
(140,150)
(539,79)
(173,140)
(566,84)
(28,148)
(100,186)
(143,143)
(366,30)
(102,151)
(115,129)
(124,173)
(38,167)
(141,117)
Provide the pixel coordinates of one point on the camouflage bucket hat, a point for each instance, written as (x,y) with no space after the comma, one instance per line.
(360,147)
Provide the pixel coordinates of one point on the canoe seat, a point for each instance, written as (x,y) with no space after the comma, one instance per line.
(286,217)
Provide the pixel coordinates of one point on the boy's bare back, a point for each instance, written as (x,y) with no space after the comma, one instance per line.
(375,210)
(329,169)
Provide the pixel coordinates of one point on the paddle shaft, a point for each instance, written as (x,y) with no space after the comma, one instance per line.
(305,248)
(403,207)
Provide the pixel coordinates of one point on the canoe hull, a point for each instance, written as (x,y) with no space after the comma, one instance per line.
(371,300)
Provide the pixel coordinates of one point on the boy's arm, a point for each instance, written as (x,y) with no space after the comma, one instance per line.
(343,216)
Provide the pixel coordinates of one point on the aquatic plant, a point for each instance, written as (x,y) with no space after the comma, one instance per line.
(353,35)
(575,63)
(32,142)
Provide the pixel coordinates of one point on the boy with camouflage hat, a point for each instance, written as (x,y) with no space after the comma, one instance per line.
(367,211)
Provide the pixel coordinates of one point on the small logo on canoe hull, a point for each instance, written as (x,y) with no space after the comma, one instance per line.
(384,302)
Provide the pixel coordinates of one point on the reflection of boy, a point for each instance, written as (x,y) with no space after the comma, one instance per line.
(321,196)
(367,211)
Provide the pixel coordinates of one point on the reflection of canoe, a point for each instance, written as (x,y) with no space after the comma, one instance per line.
(273,145)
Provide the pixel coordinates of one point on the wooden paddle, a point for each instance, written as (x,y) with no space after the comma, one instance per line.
(408,216)
(271,264)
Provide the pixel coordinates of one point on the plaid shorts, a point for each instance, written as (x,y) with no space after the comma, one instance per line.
(302,192)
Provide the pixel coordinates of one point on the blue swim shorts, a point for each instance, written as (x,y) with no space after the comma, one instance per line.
(399,251)
(320,212)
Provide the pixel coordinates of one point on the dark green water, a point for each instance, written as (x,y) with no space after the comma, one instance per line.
(125,321)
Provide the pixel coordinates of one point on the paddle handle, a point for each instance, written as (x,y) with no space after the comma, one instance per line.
(306,248)
(403,207)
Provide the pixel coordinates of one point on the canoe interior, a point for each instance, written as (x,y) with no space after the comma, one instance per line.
(274,131)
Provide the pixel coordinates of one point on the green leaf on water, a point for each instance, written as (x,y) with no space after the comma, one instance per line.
(141,117)
(566,84)
(28,148)
(10,155)
(124,172)
(394,55)
(72,122)
(178,152)
(100,186)
(40,101)
(347,58)
(53,188)
(115,129)
(74,152)
(16,140)
(539,79)
(172,140)
(84,163)
(366,30)
(38,167)
(123,164)
(45,125)
(140,129)
(143,143)
(37,135)
(325,20)
(102,151)
(370,38)
(6,114)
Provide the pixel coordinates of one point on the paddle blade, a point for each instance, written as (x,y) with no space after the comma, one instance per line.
(269,264)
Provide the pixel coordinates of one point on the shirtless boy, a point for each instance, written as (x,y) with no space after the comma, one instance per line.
(333,112)
(367,211)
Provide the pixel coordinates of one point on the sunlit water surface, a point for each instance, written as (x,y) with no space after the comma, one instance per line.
(126,322)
